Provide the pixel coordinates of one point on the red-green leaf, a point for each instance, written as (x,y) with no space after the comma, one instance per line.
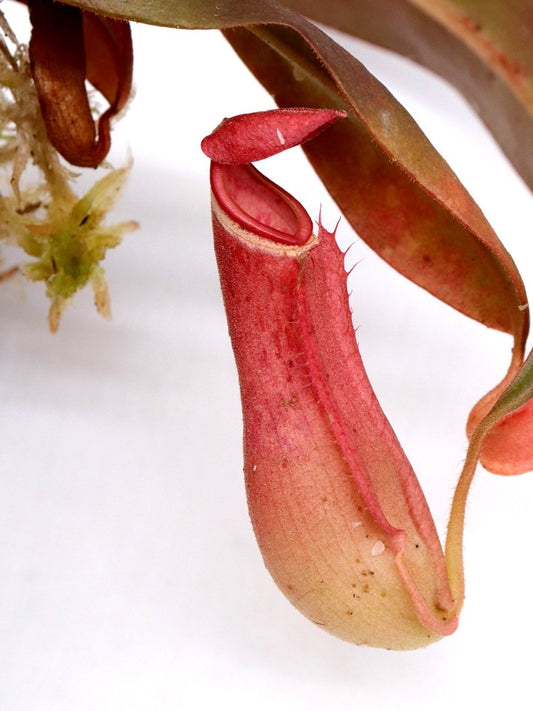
(484,48)
(392,185)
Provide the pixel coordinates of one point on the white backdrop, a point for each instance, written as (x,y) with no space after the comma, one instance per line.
(129,576)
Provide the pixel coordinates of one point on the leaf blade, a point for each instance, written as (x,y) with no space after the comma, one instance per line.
(483,49)
(457,263)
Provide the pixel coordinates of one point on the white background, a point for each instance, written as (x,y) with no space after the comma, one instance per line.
(129,576)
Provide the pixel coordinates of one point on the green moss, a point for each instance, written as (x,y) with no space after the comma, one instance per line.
(69,248)
(64,235)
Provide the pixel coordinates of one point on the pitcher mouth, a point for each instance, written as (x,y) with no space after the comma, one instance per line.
(259,205)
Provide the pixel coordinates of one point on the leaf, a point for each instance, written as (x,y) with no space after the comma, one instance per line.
(66,48)
(484,48)
(393,187)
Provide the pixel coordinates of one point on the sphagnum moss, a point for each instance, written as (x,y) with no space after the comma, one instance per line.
(40,212)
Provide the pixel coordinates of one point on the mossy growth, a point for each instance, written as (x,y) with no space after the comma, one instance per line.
(64,235)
